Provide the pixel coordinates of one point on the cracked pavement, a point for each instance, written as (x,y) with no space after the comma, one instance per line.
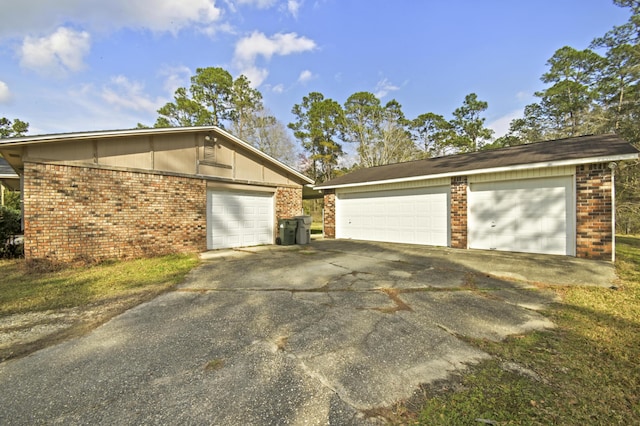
(296,335)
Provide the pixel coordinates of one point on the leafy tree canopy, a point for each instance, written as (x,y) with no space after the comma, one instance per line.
(11,129)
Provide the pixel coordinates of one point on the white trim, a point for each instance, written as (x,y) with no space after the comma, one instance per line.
(561,163)
(28,140)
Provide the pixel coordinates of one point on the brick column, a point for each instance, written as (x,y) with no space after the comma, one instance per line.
(288,202)
(459,212)
(594,212)
(329,213)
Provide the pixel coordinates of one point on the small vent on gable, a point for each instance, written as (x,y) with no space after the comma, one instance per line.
(210,149)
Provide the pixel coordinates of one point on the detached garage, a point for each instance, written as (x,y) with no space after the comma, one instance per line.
(554,197)
(130,193)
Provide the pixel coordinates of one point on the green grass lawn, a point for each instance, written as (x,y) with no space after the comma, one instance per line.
(23,290)
(584,372)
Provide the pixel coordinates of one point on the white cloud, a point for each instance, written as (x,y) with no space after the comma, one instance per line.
(278,88)
(129,95)
(305,76)
(5,93)
(59,53)
(176,77)
(500,125)
(383,87)
(293,6)
(260,4)
(249,49)
(84,109)
(255,75)
(23,18)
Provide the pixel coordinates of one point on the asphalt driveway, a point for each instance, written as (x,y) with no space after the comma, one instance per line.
(314,334)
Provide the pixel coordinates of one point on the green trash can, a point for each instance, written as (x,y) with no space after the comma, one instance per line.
(287,232)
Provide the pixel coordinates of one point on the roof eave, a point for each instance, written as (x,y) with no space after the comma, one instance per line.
(572,162)
(59,137)
(29,140)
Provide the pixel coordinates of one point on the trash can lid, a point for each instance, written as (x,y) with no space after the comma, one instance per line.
(304,219)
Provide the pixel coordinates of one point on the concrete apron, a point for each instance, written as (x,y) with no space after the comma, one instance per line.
(314,334)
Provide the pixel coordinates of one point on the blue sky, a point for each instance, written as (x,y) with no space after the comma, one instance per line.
(78,65)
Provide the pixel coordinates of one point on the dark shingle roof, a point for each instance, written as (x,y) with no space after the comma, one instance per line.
(608,147)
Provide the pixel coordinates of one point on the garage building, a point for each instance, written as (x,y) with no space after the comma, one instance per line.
(130,193)
(554,197)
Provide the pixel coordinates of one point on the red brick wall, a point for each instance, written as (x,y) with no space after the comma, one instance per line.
(288,203)
(329,214)
(459,212)
(80,213)
(594,211)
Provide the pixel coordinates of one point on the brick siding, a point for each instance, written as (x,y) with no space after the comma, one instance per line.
(88,214)
(459,212)
(288,203)
(594,212)
(329,225)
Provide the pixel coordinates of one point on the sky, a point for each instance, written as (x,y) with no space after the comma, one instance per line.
(83,65)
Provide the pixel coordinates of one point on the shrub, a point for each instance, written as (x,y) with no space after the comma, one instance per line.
(9,228)
(12,199)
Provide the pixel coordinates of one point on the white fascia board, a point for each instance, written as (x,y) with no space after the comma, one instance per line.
(574,162)
(28,140)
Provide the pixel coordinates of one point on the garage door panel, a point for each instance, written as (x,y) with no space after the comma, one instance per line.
(239,219)
(529,215)
(417,216)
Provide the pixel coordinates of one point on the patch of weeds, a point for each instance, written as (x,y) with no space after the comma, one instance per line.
(214,365)
(400,305)
(281,342)
(469,281)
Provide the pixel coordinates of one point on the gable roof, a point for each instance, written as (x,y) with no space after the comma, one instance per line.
(113,134)
(560,152)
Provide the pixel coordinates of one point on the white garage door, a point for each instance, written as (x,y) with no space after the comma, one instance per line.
(532,216)
(239,219)
(414,216)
